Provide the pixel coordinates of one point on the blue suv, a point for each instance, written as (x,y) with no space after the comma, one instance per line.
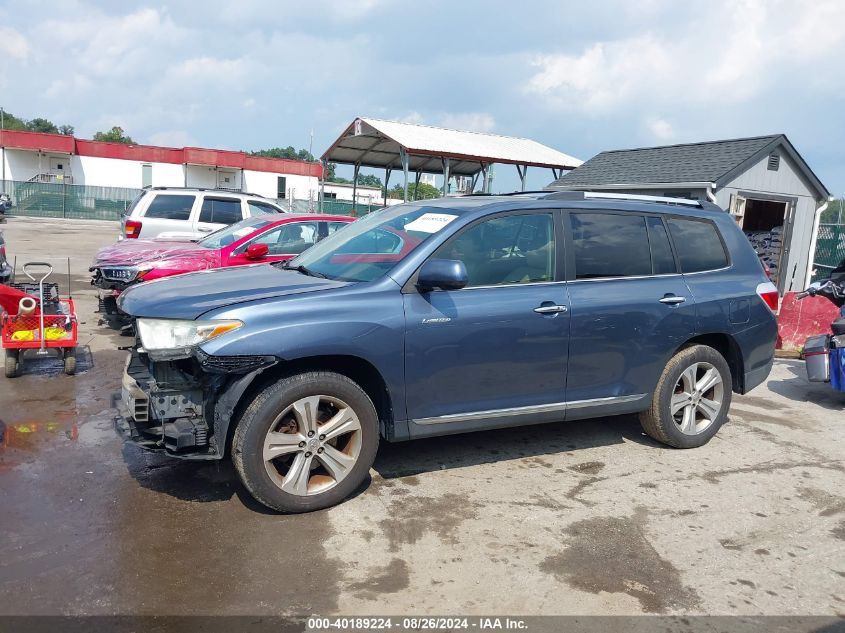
(447,316)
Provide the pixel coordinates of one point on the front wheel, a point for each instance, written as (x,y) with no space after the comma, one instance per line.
(12,362)
(691,400)
(306,442)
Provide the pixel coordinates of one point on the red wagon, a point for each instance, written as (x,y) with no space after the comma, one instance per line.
(42,322)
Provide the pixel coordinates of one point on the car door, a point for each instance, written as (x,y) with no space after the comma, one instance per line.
(217,212)
(495,352)
(631,309)
(283,242)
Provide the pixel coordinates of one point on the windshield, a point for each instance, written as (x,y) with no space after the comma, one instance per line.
(369,247)
(234,232)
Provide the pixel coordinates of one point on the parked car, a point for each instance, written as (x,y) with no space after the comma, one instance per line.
(260,238)
(447,316)
(182,213)
(5,268)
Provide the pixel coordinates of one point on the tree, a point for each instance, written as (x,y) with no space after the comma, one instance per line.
(11,122)
(369,180)
(835,212)
(42,125)
(285,152)
(424,192)
(67,130)
(114,135)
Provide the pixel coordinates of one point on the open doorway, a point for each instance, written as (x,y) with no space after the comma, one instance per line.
(763,222)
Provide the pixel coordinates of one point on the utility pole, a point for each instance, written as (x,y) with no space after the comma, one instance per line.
(3,127)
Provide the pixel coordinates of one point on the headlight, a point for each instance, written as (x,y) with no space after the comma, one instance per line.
(165,339)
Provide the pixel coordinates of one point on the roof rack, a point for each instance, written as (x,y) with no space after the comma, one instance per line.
(593,195)
(216,189)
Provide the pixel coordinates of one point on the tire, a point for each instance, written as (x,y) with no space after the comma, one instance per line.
(283,408)
(70,362)
(12,362)
(695,419)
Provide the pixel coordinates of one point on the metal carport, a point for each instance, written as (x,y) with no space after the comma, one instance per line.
(421,149)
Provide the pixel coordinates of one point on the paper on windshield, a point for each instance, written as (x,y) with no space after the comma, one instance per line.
(430,222)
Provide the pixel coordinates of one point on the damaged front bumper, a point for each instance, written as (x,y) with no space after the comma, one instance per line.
(183,407)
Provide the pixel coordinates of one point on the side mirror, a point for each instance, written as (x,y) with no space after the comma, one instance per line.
(446,274)
(257,251)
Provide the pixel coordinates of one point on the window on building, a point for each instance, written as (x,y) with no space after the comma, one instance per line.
(221,211)
(146,175)
(707,252)
(513,249)
(281,187)
(662,260)
(610,245)
(167,207)
(328,195)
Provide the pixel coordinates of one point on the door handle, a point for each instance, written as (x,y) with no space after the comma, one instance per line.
(204,229)
(672,300)
(551,309)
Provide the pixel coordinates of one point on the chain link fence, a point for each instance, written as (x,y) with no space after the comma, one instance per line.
(61,200)
(331,207)
(84,202)
(830,249)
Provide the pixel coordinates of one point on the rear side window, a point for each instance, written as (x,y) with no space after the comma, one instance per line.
(699,245)
(165,207)
(257,208)
(662,260)
(221,211)
(610,245)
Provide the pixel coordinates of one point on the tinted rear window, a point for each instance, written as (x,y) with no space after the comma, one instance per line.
(221,211)
(608,245)
(167,207)
(662,260)
(698,244)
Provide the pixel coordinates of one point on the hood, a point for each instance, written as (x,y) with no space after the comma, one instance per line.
(189,296)
(130,252)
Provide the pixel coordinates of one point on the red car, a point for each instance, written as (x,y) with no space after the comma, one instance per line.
(258,239)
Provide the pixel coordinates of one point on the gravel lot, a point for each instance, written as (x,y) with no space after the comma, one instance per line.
(586,517)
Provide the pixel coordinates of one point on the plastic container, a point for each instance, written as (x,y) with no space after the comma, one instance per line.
(817,358)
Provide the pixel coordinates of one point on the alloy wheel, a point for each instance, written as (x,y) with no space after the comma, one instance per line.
(312,445)
(698,398)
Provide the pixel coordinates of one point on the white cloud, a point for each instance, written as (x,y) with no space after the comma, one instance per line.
(744,48)
(13,44)
(472,121)
(172,138)
(660,129)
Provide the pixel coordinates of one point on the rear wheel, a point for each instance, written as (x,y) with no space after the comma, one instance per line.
(70,362)
(12,362)
(306,442)
(691,400)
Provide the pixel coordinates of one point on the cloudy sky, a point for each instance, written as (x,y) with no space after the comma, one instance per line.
(578,76)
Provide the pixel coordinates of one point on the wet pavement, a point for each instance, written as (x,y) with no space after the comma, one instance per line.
(587,517)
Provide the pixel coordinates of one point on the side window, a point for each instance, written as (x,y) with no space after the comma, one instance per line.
(513,249)
(662,260)
(259,208)
(290,238)
(706,252)
(610,245)
(221,211)
(165,207)
(334,226)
